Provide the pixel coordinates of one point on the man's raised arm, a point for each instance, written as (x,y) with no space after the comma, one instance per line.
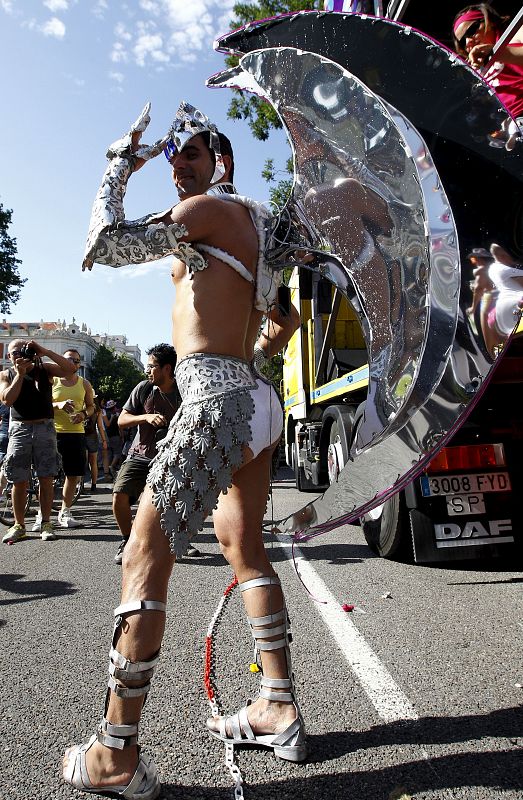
(113,240)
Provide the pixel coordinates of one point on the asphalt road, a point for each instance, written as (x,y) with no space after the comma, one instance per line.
(416,692)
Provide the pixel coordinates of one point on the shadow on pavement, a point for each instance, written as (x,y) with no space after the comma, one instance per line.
(493,770)
(27,591)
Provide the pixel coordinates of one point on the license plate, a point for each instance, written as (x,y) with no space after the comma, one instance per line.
(459,504)
(477,482)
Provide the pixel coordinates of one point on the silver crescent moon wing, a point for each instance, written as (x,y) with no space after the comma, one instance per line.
(377,223)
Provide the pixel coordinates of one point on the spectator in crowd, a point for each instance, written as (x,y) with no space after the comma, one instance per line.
(476,29)
(103,452)
(26,388)
(95,437)
(114,437)
(73,402)
(506,274)
(5,413)
(150,407)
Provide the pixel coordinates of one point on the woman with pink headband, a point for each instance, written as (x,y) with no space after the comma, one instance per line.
(476,29)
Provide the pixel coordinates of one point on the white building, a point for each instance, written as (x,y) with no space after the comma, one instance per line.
(60,336)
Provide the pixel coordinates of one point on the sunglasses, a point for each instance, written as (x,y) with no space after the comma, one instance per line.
(470,32)
(170,150)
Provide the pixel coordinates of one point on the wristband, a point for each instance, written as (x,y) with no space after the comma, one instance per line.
(259,358)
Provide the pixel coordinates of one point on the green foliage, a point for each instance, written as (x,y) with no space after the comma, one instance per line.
(114,375)
(273,370)
(261,116)
(10,280)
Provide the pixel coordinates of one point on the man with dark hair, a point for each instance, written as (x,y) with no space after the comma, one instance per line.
(217,453)
(150,407)
(27,389)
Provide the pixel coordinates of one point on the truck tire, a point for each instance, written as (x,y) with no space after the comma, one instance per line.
(335,449)
(303,483)
(389,534)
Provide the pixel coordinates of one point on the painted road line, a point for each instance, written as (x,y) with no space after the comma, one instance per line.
(385,695)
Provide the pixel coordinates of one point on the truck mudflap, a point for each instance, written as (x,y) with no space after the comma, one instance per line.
(466,534)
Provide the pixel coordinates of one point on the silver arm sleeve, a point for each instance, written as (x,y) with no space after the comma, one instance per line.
(118,242)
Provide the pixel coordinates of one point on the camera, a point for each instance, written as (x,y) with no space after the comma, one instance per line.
(160,433)
(28,352)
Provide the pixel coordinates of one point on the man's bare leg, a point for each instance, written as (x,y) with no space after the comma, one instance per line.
(146,568)
(45,496)
(93,467)
(238,526)
(122,513)
(19,499)
(70,484)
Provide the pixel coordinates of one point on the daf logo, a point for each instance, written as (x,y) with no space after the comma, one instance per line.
(450,534)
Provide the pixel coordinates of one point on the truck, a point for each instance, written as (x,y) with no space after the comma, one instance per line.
(464,505)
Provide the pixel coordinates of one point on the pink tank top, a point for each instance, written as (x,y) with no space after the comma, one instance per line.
(507,82)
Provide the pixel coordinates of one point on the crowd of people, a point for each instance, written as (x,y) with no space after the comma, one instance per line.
(51,421)
(497,283)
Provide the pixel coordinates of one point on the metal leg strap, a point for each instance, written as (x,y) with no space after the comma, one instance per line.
(270,632)
(127,679)
(117,736)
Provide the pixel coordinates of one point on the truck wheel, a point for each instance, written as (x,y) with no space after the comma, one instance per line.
(387,531)
(336,431)
(335,453)
(303,483)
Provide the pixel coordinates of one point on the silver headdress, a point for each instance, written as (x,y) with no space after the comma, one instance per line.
(189,122)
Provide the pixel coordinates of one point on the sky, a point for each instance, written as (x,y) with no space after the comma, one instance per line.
(75,75)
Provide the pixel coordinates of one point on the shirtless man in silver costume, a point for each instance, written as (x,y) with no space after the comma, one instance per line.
(221,440)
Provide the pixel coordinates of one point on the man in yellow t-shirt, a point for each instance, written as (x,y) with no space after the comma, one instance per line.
(73,403)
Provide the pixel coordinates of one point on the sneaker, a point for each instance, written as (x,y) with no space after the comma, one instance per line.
(47,531)
(14,534)
(192,552)
(37,527)
(66,519)
(119,553)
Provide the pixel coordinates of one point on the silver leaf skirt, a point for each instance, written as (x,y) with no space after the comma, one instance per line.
(204,444)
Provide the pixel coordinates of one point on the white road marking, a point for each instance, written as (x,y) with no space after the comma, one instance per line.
(385,695)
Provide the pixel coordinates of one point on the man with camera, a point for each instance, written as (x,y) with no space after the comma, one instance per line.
(151,406)
(26,388)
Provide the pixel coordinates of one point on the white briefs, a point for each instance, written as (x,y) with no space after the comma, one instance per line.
(267,420)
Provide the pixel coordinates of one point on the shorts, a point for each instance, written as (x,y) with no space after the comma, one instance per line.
(225,407)
(91,442)
(131,478)
(31,443)
(71,447)
(115,445)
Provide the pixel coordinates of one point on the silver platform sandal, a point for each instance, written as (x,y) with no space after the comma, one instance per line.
(290,744)
(145,784)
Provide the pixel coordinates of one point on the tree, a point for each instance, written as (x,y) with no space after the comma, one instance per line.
(261,115)
(114,374)
(10,280)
